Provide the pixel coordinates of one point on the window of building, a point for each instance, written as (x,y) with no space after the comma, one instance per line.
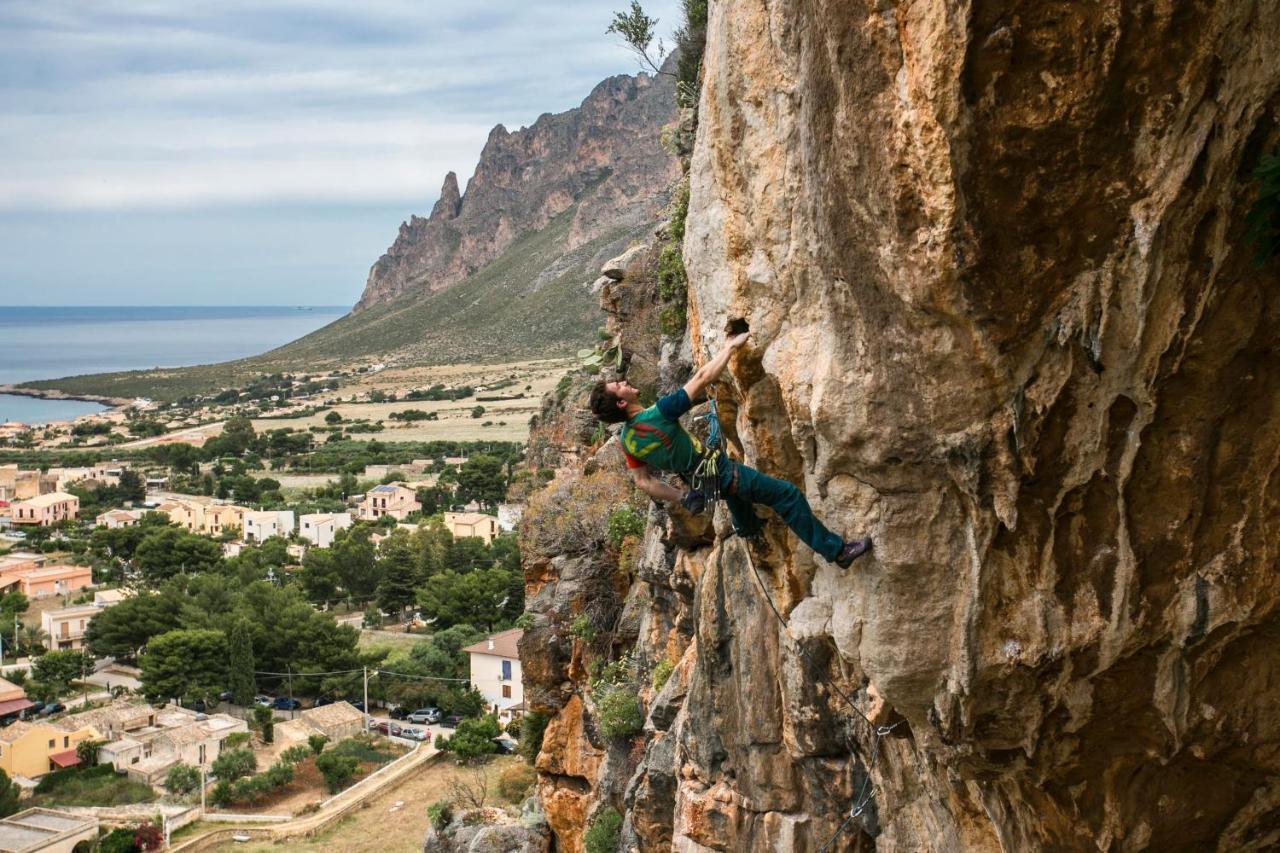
(506,670)
(66,742)
(506,691)
(51,743)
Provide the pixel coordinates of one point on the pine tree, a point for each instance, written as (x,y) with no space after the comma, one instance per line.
(399,575)
(241,663)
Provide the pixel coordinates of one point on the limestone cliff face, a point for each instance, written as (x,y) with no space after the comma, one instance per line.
(1003,321)
(605,156)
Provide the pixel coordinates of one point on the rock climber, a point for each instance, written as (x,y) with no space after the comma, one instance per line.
(652,438)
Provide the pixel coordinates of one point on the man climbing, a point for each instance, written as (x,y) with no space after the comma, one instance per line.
(653,439)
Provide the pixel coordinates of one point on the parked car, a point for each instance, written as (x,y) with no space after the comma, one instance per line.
(382,726)
(284,703)
(262,701)
(451,721)
(358,704)
(504,746)
(425,715)
(52,709)
(36,708)
(226,696)
(398,713)
(322,701)
(415,734)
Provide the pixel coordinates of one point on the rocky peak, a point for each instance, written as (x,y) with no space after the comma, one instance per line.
(450,201)
(601,163)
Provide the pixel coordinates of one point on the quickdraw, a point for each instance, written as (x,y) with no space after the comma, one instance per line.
(706,476)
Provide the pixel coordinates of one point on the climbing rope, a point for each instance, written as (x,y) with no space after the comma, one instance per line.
(706,479)
(861,801)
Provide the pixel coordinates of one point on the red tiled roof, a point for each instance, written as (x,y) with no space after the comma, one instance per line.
(65,759)
(13,706)
(504,645)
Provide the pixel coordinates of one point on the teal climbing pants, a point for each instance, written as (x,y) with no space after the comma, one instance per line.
(742,486)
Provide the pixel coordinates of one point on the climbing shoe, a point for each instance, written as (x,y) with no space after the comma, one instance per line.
(694,502)
(851,551)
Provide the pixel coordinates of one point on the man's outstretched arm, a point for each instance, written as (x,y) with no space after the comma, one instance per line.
(713,368)
(655,487)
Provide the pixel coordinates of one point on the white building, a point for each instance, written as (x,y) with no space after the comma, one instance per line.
(260,526)
(320,528)
(495,671)
(509,516)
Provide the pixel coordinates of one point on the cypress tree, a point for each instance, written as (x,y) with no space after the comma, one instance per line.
(241,664)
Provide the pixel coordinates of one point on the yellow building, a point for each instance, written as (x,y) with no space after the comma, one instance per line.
(467,524)
(33,749)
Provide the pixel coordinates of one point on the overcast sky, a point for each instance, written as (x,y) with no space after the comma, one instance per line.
(200,153)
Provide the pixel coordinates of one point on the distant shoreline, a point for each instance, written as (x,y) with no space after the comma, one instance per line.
(54,394)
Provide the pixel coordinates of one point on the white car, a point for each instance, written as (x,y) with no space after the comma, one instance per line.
(415,734)
(262,701)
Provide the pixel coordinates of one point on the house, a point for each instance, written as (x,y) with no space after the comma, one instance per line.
(467,524)
(13,699)
(104,473)
(219,518)
(509,516)
(33,749)
(46,510)
(108,597)
(40,830)
(495,671)
(320,529)
(202,515)
(114,518)
(337,721)
(183,736)
(65,627)
(19,485)
(54,580)
(261,526)
(393,499)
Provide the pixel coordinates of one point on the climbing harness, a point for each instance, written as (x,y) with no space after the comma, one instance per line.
(863,798)
(705,478)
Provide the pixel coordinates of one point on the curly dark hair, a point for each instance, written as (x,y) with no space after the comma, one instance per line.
(604,404)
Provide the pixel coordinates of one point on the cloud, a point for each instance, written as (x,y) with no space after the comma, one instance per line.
(133,104)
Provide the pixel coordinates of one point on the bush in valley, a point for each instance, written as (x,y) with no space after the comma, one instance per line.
(264,720)
(9,793)
(221,794)
(440,813)
(605,830)
(300,752)
(233,764)
(515,781)
(532,729)
(316,743)
(472,739)
(338,769)
(182,779)
(118,840)
(236,739)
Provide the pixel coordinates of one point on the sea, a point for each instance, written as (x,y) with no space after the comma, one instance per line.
(48,343)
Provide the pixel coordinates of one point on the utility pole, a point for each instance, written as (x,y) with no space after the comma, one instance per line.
(204,781)
(289,669)
(366,699)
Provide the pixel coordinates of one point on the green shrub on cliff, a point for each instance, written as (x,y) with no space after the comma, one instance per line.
(620,713)
(605,830)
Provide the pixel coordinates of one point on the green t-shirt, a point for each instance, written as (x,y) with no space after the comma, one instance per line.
(654,437)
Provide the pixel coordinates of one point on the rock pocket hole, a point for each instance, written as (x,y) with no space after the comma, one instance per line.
(737,326)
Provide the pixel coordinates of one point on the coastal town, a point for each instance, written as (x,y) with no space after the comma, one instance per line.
(208,623)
